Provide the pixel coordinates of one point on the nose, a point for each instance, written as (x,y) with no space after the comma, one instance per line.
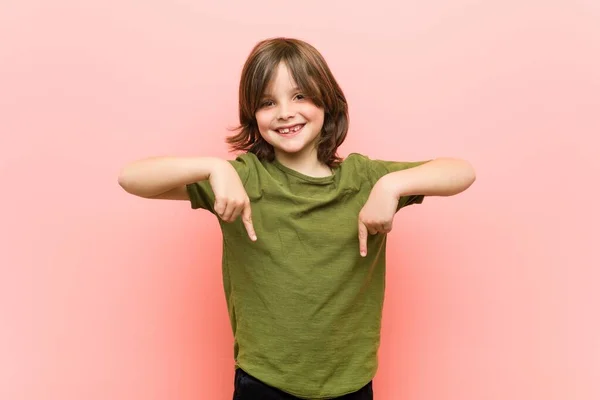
(285,111)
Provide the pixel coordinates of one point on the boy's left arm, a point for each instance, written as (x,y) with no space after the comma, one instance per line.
(439,177)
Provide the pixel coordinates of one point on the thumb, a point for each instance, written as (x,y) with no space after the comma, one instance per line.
(247,220)
(362,238)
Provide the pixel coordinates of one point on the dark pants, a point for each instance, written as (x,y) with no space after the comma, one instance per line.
(248,387)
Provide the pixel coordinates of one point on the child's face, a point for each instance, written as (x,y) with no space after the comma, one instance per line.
(287,120)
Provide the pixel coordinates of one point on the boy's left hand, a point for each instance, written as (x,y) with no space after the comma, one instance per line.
(377,214)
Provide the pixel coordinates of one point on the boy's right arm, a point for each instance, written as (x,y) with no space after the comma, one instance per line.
(167,177)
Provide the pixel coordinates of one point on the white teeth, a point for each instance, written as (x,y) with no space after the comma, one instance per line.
(293,129)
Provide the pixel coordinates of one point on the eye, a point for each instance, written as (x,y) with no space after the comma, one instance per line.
(266,103)
(300,96)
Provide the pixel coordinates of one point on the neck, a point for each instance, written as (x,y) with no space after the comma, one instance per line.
(307,164)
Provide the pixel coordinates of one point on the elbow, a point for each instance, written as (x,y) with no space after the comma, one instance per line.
(462,175)
(469,175)
(125,180)
(131,181)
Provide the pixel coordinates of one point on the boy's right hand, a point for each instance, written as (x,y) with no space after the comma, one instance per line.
(231,198)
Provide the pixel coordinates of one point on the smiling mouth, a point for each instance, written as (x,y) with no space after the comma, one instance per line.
(289,130)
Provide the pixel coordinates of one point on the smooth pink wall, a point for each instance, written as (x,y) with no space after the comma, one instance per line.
(491,294)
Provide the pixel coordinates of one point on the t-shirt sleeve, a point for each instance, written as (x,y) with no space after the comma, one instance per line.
(379,168)
(201,194)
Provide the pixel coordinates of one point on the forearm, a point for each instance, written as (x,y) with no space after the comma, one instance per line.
(154,176)
(439,177)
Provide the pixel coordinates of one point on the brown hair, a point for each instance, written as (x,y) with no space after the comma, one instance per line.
(313,77)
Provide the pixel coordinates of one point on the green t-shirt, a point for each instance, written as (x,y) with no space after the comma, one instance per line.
(304,306)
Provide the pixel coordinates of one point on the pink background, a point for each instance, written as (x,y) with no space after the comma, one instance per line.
(491,295)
